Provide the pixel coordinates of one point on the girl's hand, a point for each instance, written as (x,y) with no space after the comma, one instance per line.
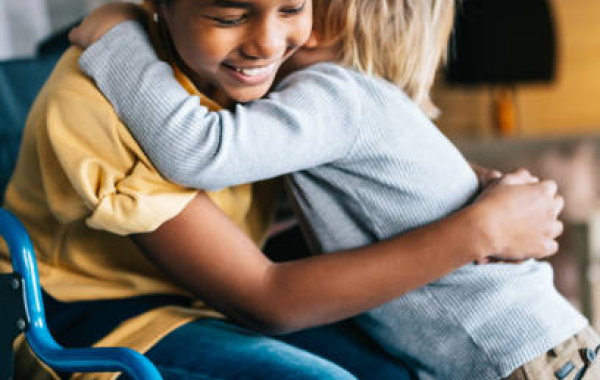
(484,175)
(103,19)
(520,216)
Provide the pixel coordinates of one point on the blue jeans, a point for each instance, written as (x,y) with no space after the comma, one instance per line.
(211,349)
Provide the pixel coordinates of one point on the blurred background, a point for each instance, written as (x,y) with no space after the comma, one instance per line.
(521,89)
(26,23)
(566,105)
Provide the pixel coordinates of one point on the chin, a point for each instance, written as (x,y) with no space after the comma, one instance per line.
(249,95)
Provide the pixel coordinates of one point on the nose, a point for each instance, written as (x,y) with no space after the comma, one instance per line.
(268,39)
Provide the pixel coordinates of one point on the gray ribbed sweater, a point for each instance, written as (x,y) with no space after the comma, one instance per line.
(367,165)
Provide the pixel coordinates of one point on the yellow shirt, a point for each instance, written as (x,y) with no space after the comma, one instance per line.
(81,185)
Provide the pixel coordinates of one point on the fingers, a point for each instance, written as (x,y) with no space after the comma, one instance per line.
(522,172)
(556,229)
(515,178)
(503,260)
(489,177)
(101,20)
(550,187)
(559,205)
(74,36)
(550,247)
(482,261)
(520,177)
(541,249)
(495,173)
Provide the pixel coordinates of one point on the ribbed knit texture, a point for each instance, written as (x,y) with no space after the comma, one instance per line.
(373,166)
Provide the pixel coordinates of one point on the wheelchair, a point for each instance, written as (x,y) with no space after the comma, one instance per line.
(22,311)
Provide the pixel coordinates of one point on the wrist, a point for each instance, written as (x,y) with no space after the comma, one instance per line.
(480,232)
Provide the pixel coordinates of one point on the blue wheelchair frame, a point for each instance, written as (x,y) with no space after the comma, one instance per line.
(22,310)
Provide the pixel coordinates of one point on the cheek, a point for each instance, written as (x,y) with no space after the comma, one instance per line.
(298,29)
(199,54)
(202,49)
(301,31)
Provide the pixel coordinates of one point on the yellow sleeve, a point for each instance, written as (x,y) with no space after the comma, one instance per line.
(120,190)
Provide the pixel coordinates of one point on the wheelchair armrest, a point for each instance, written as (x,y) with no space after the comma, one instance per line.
(37,334)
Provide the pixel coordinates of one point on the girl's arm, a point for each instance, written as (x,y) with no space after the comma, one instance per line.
(203,250)
(311,120)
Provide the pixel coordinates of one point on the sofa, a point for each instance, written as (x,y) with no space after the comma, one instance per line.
(20,81)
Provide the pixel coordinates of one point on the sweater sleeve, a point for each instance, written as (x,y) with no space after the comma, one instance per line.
(311,119)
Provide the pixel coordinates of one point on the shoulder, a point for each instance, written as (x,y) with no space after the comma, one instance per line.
(70,104)
(83,146)
(346,82)
(68,77)
(69,100)
(366,96)
(322,73)
(325,86)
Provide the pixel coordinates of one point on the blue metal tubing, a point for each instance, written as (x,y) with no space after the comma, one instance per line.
(39,338)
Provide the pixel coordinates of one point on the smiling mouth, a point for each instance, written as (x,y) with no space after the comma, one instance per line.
(254,71)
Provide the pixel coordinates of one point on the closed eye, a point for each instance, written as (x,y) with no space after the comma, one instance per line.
(294,10)
(228,21)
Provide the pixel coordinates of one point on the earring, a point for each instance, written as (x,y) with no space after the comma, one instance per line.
(155,17)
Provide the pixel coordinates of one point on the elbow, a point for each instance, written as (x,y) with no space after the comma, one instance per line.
(272,306)
(280,309)
(271,321)
(271,314)
(283,324)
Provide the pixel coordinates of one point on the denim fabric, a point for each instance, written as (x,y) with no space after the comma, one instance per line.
(349,346)
(82,323)
(212,349)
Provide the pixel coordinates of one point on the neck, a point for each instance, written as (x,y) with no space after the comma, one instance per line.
(221,98)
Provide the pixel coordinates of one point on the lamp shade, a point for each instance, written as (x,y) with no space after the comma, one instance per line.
(502,42)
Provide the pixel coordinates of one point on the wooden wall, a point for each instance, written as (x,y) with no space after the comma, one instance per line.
(571,105)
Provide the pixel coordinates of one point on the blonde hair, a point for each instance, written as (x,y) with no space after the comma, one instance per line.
(402,41)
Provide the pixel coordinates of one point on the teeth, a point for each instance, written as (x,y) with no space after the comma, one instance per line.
(256,72)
